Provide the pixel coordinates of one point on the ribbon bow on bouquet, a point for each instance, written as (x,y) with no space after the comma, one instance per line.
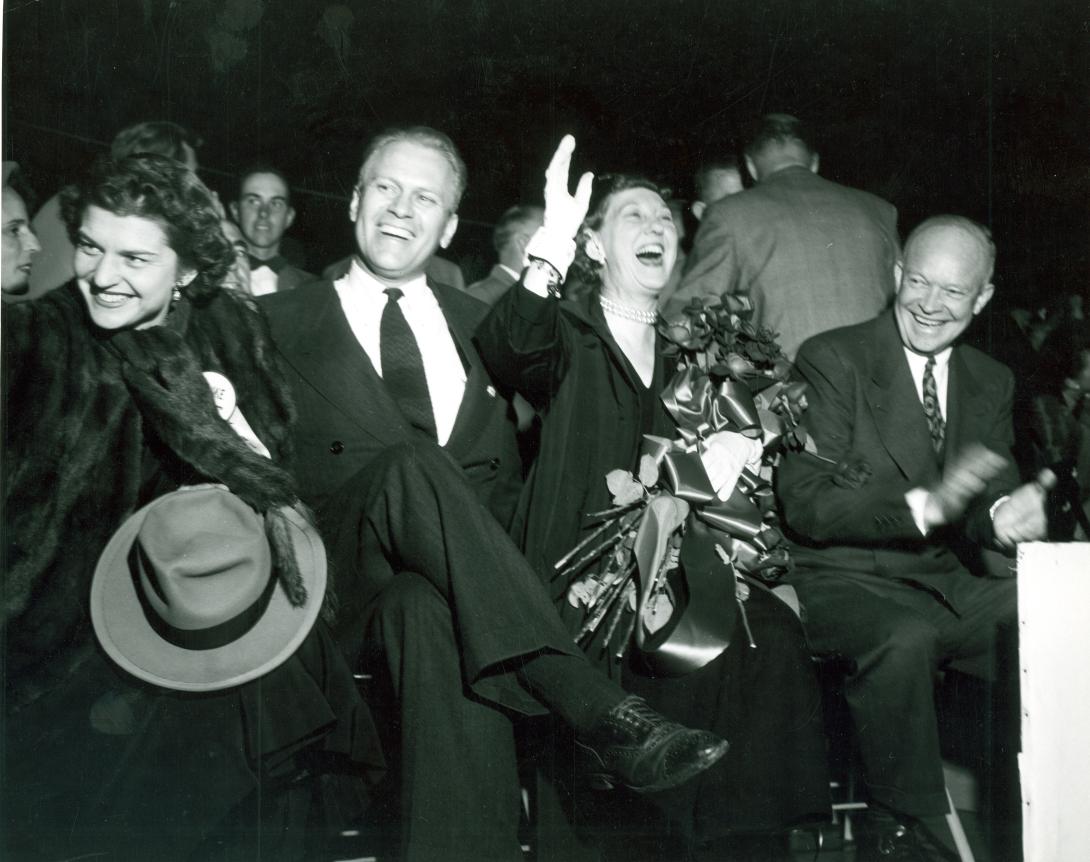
(681,547)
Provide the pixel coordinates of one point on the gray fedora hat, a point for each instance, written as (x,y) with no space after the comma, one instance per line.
(184,595)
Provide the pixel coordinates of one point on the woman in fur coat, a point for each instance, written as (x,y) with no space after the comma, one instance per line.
(107,405)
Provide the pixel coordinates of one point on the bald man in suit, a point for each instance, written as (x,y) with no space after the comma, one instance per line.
(913,434)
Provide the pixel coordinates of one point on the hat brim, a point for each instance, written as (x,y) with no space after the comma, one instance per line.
(130,640)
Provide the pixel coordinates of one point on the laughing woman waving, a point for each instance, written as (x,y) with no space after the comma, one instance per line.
(594,368)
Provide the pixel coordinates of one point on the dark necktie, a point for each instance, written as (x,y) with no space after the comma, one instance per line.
(935,423)
(403,367)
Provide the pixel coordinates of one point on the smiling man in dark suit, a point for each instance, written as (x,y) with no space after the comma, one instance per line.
(403,447)
(913,433)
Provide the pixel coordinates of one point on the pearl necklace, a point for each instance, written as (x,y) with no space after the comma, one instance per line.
(639,315)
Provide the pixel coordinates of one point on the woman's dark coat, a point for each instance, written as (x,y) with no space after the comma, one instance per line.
(595,410)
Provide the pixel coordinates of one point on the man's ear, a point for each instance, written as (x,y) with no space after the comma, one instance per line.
(982,298)
(898,272)
(698,208)
(520,241)
(289,219)
(449,230)
(592,245)
(815,163)
(354,205)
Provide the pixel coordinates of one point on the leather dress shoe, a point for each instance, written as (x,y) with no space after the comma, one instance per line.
(639,748)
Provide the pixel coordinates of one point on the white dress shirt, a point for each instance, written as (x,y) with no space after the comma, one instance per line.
(917,363)
(263,281)
(917,497)
(363,301)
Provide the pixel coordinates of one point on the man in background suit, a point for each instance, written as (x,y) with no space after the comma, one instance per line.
(403,447)
(264,213)
(509,237)
(811,254)
(913,434)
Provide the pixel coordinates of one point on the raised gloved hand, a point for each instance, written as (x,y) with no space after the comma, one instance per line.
(554,241)
(725,455)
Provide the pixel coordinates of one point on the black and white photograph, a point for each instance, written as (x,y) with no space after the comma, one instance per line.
(545,431)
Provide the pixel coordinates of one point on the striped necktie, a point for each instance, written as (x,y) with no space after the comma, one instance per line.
(935,423)
(403,366)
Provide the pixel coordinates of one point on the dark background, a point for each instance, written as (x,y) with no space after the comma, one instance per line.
(972,106)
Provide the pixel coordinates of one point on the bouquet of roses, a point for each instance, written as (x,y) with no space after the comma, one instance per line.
(694,528)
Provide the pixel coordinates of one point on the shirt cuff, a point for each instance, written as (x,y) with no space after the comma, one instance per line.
(540,278)
(557,249)
(992,509)
(917,503)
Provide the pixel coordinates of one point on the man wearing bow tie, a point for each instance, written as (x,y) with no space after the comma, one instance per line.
(913,472)
(264,212)
(406,451)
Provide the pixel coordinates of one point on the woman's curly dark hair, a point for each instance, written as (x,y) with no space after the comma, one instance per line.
(584,271)
(166,192)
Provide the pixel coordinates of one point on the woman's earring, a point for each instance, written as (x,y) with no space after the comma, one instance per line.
(595,251)
(177,294)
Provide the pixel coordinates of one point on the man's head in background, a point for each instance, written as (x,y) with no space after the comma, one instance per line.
(779,141)
(716,179)
(161,137)
(263,210)
(19,242)
(513,231)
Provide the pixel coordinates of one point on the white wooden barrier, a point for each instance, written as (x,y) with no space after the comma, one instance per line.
(1054,646)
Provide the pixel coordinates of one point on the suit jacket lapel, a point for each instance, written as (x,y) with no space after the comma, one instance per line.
(325,352)
(967,399)
(895,406)
(480,394)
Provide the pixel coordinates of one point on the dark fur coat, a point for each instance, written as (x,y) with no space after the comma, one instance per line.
(87,416)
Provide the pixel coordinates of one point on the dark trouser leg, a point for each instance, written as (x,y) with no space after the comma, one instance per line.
(460,797)
(897,636)
(412,510)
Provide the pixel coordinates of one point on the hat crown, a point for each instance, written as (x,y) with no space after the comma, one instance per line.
(202,558)
(166,595)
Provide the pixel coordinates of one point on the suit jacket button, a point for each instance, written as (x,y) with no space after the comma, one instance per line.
(494,464)
(336,447)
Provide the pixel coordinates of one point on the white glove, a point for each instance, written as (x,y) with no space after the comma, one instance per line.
(554,241)
(725,455)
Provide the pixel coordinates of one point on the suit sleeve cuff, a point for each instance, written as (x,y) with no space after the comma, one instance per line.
(917,503)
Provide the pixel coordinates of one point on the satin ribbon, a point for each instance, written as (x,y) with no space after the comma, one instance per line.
(699,629)
(699,408)
(705,612)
